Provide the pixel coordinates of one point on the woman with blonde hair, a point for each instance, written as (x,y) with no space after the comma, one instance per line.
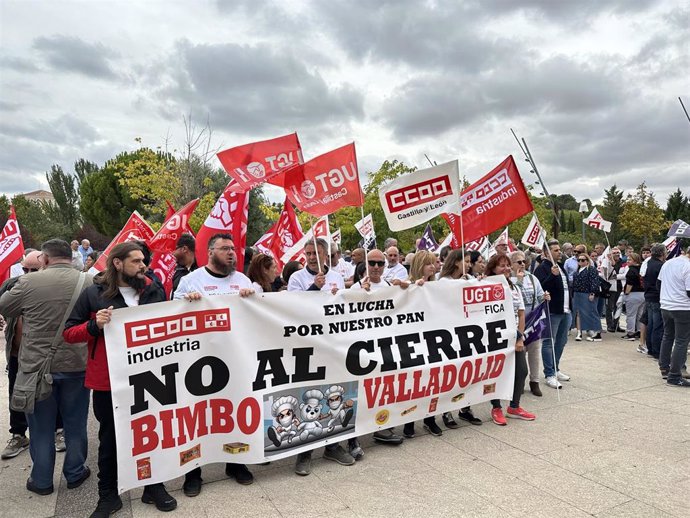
(423,269)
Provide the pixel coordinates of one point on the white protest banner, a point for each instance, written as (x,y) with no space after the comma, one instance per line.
(415,198)
(596,220)
(245,380)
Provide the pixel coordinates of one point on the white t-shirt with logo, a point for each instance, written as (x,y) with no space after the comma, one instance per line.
(302,279)
(395,272)
(373,286)
(204,282)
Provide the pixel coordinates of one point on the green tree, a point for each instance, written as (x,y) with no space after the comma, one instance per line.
(104,202)
(612,209)
(66,194)
(83,168)
(642,218)
(678,207)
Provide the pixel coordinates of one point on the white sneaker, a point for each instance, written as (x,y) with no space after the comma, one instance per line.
(552,382)
(560,376)
(578,336)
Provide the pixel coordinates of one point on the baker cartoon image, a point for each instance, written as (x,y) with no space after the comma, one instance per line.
(310,413)
(338,409)
(284,415)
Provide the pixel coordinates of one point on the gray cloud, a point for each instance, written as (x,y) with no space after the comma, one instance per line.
(64,129)
(72,54)
(251,89)
(18,64)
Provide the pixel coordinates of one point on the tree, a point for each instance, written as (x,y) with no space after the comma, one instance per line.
(611,211)
(149,177)
(678,207)
(83,168)
(642,218)
(104,202)
(66,194)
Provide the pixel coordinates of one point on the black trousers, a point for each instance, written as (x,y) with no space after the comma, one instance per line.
(107,446)
(521,371)
(17,419)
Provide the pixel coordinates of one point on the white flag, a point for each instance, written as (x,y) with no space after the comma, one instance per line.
(596,220)
(418,197)
(534,234)
(365,227)
(336,237)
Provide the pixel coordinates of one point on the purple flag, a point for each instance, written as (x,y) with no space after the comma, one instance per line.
(536,325)
(428,242)
(679,229)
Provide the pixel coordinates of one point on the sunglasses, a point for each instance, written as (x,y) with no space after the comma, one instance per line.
(520,262)
(27,270)
(376,263)
(582,261)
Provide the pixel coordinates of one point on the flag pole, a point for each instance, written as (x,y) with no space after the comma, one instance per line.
(316,246)
(364,241)
(546,241)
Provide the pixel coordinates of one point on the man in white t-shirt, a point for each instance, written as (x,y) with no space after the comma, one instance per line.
(218,277)
(674,298)
(395,270)
(316,276)
(340,265)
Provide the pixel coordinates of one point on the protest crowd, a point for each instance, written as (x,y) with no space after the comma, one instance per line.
(58,300)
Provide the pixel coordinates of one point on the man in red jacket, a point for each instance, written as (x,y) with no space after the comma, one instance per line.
(123,283)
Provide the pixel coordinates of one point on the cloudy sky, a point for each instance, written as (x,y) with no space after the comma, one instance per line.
(592,85)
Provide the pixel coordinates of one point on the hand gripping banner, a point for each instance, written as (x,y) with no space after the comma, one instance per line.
(246,380)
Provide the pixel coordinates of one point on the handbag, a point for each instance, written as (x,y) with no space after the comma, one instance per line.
(30,387)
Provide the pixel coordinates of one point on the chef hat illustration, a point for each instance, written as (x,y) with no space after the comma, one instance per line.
(335,389)
(283,403)
(312,394)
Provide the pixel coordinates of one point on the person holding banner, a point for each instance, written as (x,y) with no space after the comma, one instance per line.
(499,264)
(423,269)
(123,283)
(262,272)
(453,269)
(554,280)
(586,282)
(394,270)
(316,276)
(532,295)
(218,277)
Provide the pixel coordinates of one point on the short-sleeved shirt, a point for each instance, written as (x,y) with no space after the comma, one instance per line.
(208,283)
(397,271)
(675,283)
(303,279)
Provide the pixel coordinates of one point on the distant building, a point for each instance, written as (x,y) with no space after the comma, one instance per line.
(40,195)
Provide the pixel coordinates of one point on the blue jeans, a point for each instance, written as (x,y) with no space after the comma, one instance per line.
(655,328)
(559,331)
(72,399)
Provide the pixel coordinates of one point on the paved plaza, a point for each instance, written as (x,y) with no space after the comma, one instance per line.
(616,444)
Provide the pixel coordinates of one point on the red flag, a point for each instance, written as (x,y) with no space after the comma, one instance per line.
(453,221)
(326,183)
(287,233)
(11,245)
(166,238)
(264,241)
(494,201)
(229,216)
(296,252)
(170,211)
(163,265)
(136,229)
(252,164)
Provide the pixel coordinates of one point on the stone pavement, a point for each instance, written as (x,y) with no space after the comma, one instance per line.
(616,444)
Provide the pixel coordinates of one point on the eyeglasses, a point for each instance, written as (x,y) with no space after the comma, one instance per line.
(582,261)
(376,263)
(225,248)
(27,270)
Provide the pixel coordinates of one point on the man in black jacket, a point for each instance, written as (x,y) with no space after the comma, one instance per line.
(184,253)
(554,280)
(655,323)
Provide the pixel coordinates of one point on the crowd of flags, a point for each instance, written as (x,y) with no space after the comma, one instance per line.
(323,185)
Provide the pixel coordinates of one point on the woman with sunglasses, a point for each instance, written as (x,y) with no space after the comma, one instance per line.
(453,269)
(585,299)
(423,269)
(532,295)
(500,265)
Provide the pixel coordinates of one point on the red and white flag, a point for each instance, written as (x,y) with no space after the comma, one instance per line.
(326,183)
(282,236)
(420,196)
(171,212)
(534,235)
(453,221)
(252,164)
(336,237)
(165,240)
(365,227)
(135,229)
(296,252)
(497,199)
(228,216)
(163,265)
(596,220)
(502,239)
(11,245)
